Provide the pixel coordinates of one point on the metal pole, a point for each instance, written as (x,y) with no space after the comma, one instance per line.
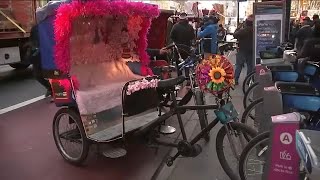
(238,13)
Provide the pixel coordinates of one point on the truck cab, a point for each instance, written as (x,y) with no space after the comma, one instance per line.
(16,21)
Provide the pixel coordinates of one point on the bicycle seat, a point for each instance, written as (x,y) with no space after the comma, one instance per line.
(307,67)
(300,96)
(280,67)
(296,88)
(169,68)
(171,82)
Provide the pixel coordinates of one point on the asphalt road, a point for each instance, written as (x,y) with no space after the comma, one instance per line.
(30,149)
(17,86)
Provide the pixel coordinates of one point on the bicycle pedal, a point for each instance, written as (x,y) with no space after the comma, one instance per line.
(114,153)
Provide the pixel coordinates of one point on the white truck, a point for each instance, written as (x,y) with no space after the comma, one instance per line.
(16,21)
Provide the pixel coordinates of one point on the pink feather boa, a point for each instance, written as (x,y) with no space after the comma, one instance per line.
(66,13)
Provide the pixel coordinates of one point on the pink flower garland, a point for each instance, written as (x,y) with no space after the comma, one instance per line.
(142,84)
(67,13)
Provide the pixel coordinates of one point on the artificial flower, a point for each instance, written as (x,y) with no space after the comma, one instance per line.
(217,75)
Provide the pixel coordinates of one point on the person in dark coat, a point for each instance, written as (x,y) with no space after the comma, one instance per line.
(182,34)
(303,33)
(244,35)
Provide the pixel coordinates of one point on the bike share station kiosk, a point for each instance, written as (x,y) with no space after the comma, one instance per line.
(287,142)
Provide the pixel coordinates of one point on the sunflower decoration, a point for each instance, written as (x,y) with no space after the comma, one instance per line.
(215,74)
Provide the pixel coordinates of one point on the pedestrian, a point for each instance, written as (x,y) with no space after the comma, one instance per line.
(36,61)
(209,30)
(315,18)
(303,33)
(221,33)
(244,35)
(182,34)
(294,27)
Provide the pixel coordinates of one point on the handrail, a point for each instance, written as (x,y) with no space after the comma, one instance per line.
(14,23)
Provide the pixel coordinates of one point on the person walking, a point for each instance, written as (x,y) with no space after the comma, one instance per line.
(303,33)
(209,30)
(244,35)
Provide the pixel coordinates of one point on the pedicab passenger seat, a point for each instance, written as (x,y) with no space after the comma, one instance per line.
(102,99)
(100,87)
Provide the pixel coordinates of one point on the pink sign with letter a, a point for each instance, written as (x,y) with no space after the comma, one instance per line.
(260,70)
(284,159)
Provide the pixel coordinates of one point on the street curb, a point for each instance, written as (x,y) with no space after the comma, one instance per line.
(163,172)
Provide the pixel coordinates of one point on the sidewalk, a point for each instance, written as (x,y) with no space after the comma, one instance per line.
(206,166)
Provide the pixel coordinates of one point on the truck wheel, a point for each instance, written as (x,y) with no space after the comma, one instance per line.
(19,66)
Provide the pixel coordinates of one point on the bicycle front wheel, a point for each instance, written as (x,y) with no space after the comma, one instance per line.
(253,158)
(248,96)
(247,82)
(249,114)
(233,132)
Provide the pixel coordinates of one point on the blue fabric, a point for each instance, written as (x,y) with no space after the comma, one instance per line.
(211,30)
(47,43)
(49,9)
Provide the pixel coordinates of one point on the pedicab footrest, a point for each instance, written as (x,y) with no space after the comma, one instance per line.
(132,124)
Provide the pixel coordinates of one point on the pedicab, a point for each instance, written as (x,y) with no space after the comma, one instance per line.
(101,100)
(84,49)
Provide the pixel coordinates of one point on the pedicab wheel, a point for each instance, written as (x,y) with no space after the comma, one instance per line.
(247,82)
(203,119)
(234,129)
(73,134)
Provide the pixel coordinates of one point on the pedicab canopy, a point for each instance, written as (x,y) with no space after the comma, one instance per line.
(92,32)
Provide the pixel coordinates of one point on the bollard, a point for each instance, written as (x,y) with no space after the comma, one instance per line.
(283,159)
(272,105)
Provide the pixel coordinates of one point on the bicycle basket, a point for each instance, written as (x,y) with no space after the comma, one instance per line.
(226,113)
(215,74)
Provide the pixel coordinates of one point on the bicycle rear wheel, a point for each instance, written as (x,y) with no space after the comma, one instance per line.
(230,131)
